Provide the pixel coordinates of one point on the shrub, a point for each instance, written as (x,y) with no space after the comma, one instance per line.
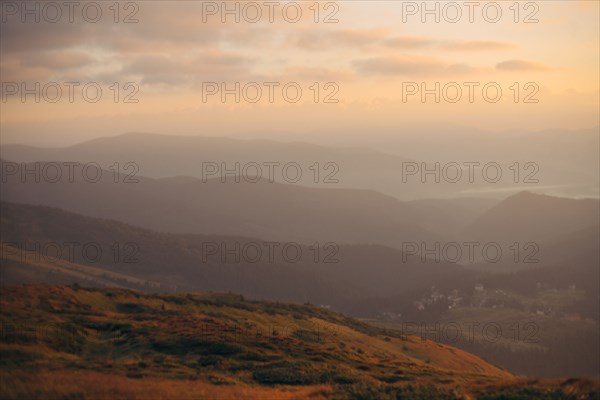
(287,374)
(132,308)
(15,357)
(307,335)
(209,361)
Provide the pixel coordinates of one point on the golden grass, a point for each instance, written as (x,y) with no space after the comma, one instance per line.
(93,385)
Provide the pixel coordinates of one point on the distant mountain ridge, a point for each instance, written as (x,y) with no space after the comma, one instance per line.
(182,262)
(270,211)
(528,216)
(160,156)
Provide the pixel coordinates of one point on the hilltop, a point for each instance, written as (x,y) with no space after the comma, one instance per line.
(90,343)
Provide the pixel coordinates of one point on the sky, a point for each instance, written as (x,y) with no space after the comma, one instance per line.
(346,66)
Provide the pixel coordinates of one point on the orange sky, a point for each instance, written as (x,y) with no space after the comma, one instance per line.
(370,57)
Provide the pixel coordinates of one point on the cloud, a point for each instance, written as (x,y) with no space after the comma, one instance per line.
(208,65)
(311,40)
(14,71)
(353,38)
(151,64)
(178,48)
(409,42)
(21,37)
(57,60)
(521,65)
(477,45)
(302,73)
(408,66)
(365,37)
(398,65)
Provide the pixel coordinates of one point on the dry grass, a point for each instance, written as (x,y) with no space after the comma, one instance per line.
(78,385)
(119,344)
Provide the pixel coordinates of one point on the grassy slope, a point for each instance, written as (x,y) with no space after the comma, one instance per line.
(70,342)
(213,338)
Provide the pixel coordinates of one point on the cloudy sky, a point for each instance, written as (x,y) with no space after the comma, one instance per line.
(361,65)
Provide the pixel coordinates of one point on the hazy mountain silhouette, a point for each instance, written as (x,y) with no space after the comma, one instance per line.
(263,209)
(527,217)
(161,156)
(176,261)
